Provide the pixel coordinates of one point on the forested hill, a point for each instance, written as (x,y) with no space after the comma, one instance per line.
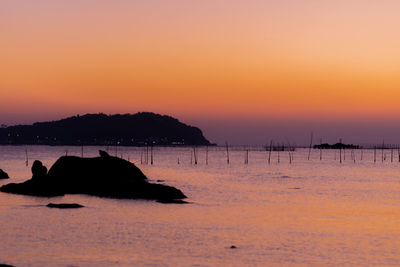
(100,129)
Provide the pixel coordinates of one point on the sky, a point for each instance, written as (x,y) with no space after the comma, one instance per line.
(244,71)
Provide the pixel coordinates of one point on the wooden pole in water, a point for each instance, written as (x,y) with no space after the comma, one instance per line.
(362,151)
(151,154)
(398,152)
(27,160)
(195,155)
(320,149)
(227,153)
(290,153)
(309,150)
(147,154)
(141,156)
(278,156)
(383,145)
(374,154)
(270,151)
(206,155)
(246,157)
(391,155)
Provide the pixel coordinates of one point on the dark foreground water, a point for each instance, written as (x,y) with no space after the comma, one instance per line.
(305,213)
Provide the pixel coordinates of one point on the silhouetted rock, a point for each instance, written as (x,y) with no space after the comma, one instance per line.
(64,205)
(5,265)
(104,176)
(3,174)
(38,170)
(103,154)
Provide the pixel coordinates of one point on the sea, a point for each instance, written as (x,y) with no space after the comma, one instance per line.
(299,208)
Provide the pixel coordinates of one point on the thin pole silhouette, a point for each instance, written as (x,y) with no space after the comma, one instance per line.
(206,155)
(309,150)
(151,154)
(320,149)
(146,155)
(290,153)
(398,152)
(391,155)
(27,160)
(227,153)
(195,155)
(270,151)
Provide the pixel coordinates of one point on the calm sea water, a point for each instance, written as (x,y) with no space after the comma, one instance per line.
(311,212)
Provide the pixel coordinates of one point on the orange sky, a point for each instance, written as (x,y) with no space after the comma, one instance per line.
(304,59)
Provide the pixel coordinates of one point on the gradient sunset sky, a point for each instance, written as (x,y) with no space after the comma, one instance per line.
(243,71)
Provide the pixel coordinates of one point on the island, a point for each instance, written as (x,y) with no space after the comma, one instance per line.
(336,146)
(140,129)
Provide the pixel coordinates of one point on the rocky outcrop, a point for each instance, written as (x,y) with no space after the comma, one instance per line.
(103,176)
(38,170)
(3,174)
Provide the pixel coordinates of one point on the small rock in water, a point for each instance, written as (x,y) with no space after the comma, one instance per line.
(64,205)
(233,247)
(160,181)
(172,201)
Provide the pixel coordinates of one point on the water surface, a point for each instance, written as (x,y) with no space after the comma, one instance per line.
(311,212)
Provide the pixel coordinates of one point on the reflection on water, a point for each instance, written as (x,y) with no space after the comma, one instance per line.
(305,213)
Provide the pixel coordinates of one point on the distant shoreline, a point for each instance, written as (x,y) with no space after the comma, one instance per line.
(140,129)
(120,145)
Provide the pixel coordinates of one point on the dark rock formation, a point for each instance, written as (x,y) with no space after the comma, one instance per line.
(3,174)
(64,205)
(38,170)
(103,176)
(138,129)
